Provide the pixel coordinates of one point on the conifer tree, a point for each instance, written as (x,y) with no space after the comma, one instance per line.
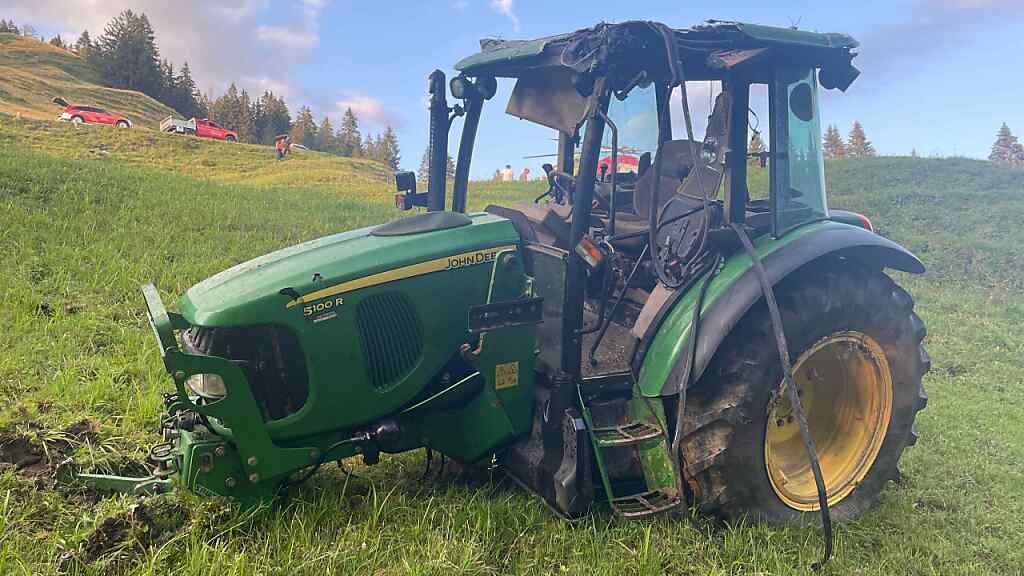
(224,110)
(126,55)
(244,129)
(83,44)
(857,145)
(9,27)
(186,94)
(832,144)
(350,141)
(327,141)
(304,130)
(1003,148)
(423,174)
(389,150)
(58,42)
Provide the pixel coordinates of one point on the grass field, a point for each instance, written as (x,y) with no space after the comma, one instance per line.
(33,72)
(87,216)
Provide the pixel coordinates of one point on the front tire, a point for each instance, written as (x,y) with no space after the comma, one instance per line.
(77,120)
(229,138)
(858,362)
(122,124)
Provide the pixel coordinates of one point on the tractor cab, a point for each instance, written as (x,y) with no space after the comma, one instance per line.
(623,93)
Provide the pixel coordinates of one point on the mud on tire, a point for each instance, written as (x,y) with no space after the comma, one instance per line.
(727,411)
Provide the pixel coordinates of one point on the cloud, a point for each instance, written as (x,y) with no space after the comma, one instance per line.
(369,110)
(504,7)
(288,37)
(460,5)
(934,26)
(223,41)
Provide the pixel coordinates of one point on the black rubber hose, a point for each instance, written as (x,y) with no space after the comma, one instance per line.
(792,392)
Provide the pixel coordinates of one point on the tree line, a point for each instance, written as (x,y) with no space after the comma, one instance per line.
(856,144)
(126,56)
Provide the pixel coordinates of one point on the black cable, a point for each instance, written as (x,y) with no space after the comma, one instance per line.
(792,392)
(426,467)
(607,322)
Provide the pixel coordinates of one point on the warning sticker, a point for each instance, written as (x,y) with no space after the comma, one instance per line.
(506,375)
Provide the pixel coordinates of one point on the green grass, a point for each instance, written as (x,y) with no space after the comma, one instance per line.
(88,216)
(33,72)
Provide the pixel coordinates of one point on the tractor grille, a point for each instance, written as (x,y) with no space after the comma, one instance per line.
(390,337)
(269,355)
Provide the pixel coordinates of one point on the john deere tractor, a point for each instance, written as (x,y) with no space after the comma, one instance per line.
(661,336)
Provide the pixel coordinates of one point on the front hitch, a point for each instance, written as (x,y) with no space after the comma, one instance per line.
(214,446)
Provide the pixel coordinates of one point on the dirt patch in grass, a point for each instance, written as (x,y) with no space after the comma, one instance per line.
(36,454)
(120,539)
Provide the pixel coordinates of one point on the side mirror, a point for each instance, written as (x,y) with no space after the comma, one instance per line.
(405,182)
(407,198)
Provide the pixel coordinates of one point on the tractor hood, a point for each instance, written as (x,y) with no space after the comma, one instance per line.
(272,288)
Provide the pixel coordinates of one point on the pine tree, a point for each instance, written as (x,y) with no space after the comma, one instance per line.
(272,118)
(423,174)
(83,44)
(58,42)
(203,106)
(168,89)
(224,110)
(9,27)
(1003,147)
(833,145)
(186,94)
(913,153)
(304,130)
(244,129)
(389,150)
(126,55)
(857,145)
(350,141)
(326,139)
(449,169)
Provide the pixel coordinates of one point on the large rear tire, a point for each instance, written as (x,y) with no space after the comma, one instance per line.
(858,362)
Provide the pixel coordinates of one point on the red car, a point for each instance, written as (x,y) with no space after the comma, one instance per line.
(80,114)
(202,127)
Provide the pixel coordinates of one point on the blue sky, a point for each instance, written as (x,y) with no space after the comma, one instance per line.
(939,76)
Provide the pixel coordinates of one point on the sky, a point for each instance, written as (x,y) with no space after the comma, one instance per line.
(938,76)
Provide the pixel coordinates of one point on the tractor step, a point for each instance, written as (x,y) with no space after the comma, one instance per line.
(645,503)
(625,435)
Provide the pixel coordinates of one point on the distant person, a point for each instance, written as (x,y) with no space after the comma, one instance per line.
(497,175)
(506,174)
(283,145)
(524,176)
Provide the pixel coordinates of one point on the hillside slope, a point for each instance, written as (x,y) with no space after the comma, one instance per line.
(87,216)
(33,72)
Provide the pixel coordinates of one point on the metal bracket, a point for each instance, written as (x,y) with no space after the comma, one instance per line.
(520,312)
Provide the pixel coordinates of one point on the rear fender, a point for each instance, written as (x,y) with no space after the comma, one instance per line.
(660,361)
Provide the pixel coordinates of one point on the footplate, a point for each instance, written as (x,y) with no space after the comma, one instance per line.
(645,503)
(626,434)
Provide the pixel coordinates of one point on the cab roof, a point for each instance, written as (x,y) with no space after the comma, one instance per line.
(703,49)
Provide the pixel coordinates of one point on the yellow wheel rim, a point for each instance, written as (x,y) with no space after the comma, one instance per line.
(846,393)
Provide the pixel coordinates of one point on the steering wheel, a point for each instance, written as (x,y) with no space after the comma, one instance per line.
(560,185)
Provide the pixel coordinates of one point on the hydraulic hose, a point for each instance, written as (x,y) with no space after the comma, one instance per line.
(791,392)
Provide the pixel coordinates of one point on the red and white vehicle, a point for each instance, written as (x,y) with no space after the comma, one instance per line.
(202,127)
(81,114)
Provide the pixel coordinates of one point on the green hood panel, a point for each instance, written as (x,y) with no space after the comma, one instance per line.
(251,292)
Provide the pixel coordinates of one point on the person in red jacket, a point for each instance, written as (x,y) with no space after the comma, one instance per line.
(283,145)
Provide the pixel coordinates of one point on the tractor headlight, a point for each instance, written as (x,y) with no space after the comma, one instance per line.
(207,385)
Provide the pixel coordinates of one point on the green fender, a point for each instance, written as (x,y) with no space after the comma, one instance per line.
(660,360)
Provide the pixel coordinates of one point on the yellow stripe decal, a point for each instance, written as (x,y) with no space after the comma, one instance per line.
(444,263)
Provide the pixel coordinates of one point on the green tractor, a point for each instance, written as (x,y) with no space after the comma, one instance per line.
(652,339)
